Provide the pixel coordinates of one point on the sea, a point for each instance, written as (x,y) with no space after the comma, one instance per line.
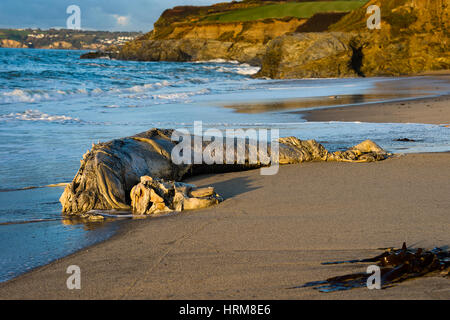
(53,106)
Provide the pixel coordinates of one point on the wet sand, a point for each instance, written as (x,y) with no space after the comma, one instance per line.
(271,233)
(434,110)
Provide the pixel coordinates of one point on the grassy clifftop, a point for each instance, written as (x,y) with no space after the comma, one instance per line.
(288,9)
(178,22)
(254,10)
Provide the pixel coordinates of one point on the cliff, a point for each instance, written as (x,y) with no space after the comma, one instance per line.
(242,41)
(413,38)
(233,31)
(8,43)
(291,40)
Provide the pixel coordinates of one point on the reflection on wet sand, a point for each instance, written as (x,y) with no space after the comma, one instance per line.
(383,91)
(87,225)
(316,102)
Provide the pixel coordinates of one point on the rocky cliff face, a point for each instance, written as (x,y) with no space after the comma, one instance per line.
(241,41)
(192,50)
(413,38)
(7,43)
(309,55)
(248,31)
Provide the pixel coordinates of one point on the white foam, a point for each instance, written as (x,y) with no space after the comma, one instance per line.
(18,95)
(33,96)
(169,96)
(145,87)
(242,69)
(217,61)
(180,95)
(36,115)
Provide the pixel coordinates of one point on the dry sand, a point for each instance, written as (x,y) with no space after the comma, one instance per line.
(434,110)
(271,233)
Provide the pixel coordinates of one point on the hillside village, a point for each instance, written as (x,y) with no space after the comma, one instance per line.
(63,39)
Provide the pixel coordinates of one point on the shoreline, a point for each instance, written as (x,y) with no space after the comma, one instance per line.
(427,110)
(252,246)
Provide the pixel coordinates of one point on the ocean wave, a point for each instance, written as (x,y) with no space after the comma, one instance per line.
(36,115)
(170,96)
(180,95)
(147,86)
(33,96)
(18,95)
(217,61)
(242,69)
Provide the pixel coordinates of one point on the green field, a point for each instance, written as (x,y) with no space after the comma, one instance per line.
(291,9)
(18,35)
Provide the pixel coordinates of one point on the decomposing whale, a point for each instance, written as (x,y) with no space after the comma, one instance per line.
(110,170)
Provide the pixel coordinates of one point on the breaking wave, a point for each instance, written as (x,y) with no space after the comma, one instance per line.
(36,115)
(242,69)
(170,96)
(33,96)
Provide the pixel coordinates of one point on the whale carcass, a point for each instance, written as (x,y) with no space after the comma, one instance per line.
(110,170)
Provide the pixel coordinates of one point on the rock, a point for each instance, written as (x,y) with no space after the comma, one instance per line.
(9,43)
(182,50)
(405,140)
(410,40)
(99,55)
(110,170)
(156,196)
(309,55)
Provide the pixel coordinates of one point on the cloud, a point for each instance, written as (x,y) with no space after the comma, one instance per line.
(114,15)
(122,20)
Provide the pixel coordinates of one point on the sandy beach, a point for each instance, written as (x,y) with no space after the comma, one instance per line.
(433,110)
(273,232)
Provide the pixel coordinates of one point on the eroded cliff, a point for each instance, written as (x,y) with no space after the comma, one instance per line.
(413,38)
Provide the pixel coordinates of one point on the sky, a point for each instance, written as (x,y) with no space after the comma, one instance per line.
(112,15)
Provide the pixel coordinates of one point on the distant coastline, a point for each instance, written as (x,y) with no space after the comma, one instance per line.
(64,39)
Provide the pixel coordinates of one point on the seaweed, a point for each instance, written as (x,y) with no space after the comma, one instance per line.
(396,266)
